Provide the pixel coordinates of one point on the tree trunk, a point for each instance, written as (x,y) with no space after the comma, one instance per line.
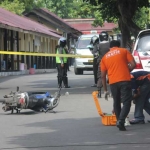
(127,9)
(125,42)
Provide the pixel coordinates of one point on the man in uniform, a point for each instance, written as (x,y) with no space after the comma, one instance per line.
(62,63)
(95,46)
(102,48)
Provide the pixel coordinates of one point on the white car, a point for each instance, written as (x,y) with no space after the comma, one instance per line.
(81,64)
(141,51)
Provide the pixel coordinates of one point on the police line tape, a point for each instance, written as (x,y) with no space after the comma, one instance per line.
(45,54)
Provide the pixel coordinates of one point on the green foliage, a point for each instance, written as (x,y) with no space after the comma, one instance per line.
(109,9)
(63,8)
(101,10)
(142,17)
(29,4)
(14,6)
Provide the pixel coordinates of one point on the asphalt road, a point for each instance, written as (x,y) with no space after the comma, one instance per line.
(76,125)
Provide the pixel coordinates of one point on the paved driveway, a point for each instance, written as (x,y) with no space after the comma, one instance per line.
(76,124)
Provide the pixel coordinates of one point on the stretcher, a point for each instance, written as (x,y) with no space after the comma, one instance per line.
(107,119)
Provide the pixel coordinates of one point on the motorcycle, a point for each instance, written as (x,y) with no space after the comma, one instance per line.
(36,101)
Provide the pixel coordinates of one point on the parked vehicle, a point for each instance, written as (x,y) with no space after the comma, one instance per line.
(141,51)
(81,64)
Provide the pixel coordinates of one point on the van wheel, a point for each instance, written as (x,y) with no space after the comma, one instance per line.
(78,71)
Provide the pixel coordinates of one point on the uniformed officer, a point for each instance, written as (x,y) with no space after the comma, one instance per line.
(103,48)
(95,52)
(61,63)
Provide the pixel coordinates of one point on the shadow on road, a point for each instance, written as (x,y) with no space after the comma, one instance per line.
(77,134)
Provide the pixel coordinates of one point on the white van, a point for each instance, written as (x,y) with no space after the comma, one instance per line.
(81,64)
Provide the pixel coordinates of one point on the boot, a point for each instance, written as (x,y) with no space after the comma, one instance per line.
(120,125)
(59,82)
(99,93)
(65,80)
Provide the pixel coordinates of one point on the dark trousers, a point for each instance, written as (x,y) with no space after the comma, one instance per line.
(95,69)
(99,79)
(68,64)
(142,102)
(121,93)
(62,74)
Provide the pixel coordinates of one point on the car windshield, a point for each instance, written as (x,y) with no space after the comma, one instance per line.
(144,43)
(83,42)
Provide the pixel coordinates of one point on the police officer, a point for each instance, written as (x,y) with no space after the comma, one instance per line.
(61,63)
(102,48)
(95,52)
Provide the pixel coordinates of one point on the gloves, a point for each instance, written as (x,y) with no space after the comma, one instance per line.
(62,65)
(106,93)
(96,55)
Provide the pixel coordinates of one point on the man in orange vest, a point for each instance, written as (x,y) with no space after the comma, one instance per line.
(117,64)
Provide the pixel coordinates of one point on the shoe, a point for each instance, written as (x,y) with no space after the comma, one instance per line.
(94,85)
(66,86)
(137,121)
(148,121)
(127,122)
(59,86)
(121,126)
(99,95)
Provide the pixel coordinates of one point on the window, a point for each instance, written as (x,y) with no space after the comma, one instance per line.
(144,43)
(83,42)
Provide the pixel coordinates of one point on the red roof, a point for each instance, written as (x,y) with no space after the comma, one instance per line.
(86,27)
(16,21)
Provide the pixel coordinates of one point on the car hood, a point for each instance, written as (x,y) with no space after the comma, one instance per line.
(84,52)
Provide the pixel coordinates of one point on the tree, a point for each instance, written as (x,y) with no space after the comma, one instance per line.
(14,6)
(68,8)
(63,8)
(124,12)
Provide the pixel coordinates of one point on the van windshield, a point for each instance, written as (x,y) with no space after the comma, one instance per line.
(144,43)
(83,42)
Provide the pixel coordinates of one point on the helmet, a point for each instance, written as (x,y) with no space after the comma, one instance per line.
(94,40)
(103,36)
(62,42)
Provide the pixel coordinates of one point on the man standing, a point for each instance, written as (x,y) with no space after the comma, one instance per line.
(117,64)
(62,63)
(95,52)
(102,49)
(141,91)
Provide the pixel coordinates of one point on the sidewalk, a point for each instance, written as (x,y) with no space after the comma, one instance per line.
(26,72)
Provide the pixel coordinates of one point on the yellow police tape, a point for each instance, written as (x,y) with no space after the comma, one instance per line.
(45,54)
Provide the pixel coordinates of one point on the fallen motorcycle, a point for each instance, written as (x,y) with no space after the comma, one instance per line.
(37,101)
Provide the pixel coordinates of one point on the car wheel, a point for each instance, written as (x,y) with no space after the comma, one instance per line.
(78,71)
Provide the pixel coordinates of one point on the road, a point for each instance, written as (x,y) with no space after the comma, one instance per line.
(76,125)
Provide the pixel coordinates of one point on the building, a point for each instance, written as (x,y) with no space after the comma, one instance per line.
(85,26)
(23,34)
(58,25)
